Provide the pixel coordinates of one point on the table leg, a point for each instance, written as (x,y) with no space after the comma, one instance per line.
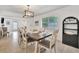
(36,46)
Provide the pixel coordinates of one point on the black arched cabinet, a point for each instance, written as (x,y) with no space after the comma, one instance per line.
(71,31)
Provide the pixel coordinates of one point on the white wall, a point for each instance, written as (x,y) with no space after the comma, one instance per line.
(61,14)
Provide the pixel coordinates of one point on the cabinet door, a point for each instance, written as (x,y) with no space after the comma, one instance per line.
(70,31)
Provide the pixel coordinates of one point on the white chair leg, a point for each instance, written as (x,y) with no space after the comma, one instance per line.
(50,50)
(7,34)
(39,49)
(55,49)
(36,46)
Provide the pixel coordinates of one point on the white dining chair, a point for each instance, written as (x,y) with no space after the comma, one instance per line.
(49,44)
(1,33)
(23,40)
(4,31)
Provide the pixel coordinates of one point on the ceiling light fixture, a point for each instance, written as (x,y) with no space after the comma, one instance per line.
(28,12)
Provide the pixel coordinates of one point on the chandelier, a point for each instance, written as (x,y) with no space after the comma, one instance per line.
(28,12)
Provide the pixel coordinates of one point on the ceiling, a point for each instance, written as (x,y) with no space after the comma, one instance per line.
(18,10)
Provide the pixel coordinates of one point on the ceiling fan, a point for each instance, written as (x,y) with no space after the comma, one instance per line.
(28,12)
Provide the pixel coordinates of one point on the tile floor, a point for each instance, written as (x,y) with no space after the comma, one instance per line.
(10,45)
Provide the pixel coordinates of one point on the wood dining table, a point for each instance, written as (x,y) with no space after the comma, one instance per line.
(36,38)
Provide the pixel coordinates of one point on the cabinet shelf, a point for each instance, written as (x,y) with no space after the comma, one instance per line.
(70,34)
(70,23)
(70,29)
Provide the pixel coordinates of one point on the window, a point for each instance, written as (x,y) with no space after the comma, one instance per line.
(49,22)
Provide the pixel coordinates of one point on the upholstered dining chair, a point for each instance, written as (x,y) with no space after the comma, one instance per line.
(49,44)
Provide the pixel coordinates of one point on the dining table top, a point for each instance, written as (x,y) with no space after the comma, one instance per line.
(37,37)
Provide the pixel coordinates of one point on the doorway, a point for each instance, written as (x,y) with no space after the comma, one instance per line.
(15,32)
(15,26)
